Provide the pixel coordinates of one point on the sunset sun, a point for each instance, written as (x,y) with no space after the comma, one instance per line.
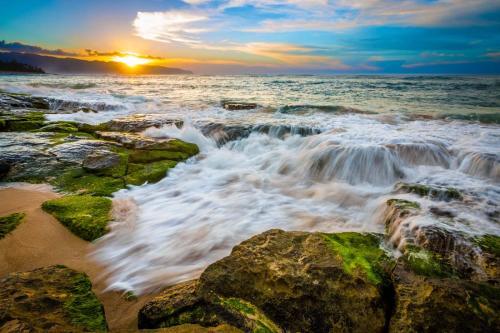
(131,60)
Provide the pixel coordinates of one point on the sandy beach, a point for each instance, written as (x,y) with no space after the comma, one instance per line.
(40,240)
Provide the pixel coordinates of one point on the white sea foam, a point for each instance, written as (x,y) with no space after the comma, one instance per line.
(334,181)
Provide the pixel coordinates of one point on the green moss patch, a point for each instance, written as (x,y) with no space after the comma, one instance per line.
(147,156)
(83,308)
(256,320)
(18,123)
(441,193)
(489,243)
(360,253)
(425,262)
(86,216)
(9,223)
(403,204)
(83,182)
(60,126)
(138,174)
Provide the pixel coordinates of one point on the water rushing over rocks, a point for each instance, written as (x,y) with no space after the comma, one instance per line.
(297,153)
(336,180)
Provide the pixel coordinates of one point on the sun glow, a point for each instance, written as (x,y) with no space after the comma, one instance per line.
(131,60)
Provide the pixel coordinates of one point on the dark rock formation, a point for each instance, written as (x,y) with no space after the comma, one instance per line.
(51,299)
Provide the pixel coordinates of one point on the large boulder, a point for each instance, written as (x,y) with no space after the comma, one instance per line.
(50,299)
(430,302)
(290,281)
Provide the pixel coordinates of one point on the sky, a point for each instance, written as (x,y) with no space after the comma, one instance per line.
(264,36)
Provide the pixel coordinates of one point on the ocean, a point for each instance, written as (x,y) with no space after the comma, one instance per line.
(366,136)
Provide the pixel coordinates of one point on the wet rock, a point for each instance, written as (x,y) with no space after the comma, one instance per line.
(232,106)
(288,281)
(13,100)
(182,304)
(430,304)
(18,122)
(76,152)
(434,192)
(50,299)
(190,328)
(223,133)
(65,127)
(314,282)
(458,252)
(100,160)
(140,142)
(139,122)
(25,158)
(397,229)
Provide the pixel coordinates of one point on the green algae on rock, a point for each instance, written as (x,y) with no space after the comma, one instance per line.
(427,263)
(432,304)
(9,222)
(149,172)
(86,216)
(83,182)
(360,252)
(181,304)
(435,192)
(10,122)
(50,299)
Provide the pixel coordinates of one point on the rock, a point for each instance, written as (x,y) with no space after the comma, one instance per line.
(13,100)
(64,127)
(345,282)
(287,281)
(76,152)
(181,304)
(18,122)
(429,304)
(238,105)
(99,160)
(434,192)
(190,328)
(139,122)
(50,299)
(223,133)
(84,215)
(10,222)
(24,157)
(397,230)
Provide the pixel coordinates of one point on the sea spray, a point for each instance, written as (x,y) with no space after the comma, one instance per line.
(338,180)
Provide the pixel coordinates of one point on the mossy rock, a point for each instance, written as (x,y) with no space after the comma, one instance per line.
(138,174)
(22,122)
(426,263)
(10,222)
(435,192)
(50,299)
(489,243)
(83,182)
(361,254)
(181,305)
(436,304)
(60,126)
(403,204)
(307,282)
(86,216)
(148,156)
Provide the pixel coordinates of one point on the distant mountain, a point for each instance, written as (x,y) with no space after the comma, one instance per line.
(16,67)
(56,65)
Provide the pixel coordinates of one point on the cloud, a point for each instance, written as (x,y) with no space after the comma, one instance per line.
(24,48)
(170,26)
(94,53)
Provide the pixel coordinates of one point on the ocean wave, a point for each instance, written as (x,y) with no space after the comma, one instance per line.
(338,109)
(75,86)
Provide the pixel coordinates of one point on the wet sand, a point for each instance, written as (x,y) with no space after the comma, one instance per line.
(40,240)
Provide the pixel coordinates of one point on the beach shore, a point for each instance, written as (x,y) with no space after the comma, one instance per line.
(40,241)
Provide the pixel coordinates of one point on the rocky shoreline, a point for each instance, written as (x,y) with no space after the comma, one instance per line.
(409,279)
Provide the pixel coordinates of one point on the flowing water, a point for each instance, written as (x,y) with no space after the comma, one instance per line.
(370,133)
